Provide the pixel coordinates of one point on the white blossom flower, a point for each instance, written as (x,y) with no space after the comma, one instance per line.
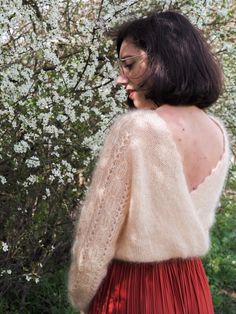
(84,117)
(70,113)
(5,247)
(51,56)
(43,103)
(32,162)
(28,277)
(55,154)
(3,180)
(25,88)
(30,180)
(21,147)
(51,179)
(2,272)
(48,193)
(56,172)
(61,118)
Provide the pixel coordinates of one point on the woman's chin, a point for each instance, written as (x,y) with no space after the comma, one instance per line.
(143,104)
(138,102)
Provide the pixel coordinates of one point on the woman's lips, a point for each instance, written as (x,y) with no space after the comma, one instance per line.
(131,94)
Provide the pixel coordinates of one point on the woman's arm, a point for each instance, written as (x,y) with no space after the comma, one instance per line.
(102,217)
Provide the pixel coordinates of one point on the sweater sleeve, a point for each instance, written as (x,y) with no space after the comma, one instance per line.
(102,217)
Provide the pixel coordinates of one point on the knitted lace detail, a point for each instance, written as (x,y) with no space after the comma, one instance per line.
(117,179)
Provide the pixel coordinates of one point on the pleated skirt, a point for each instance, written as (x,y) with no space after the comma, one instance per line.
(177,286)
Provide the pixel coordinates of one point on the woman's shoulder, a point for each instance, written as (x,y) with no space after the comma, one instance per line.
(140,120)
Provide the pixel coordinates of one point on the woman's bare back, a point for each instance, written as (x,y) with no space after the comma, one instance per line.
(199,141)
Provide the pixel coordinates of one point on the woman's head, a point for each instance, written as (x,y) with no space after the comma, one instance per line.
(163,57)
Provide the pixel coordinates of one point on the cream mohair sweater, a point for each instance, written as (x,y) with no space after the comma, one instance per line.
(138,207)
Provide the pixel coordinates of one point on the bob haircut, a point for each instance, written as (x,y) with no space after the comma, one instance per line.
(182,70)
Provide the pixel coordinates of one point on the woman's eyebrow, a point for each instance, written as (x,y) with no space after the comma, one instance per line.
(126,56)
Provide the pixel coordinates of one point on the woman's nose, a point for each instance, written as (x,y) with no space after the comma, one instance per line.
(122,79)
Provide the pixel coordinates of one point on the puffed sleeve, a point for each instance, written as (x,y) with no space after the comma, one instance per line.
(102,216)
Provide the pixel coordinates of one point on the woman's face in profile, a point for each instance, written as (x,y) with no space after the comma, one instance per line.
(132,63)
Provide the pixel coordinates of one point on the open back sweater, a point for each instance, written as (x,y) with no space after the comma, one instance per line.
(138,207)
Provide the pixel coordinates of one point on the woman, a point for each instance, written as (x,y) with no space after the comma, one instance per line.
(145,221)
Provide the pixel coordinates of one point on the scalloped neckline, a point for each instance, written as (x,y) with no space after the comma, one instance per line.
(213,170)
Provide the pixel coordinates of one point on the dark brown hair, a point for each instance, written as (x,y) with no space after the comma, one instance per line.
(182,68)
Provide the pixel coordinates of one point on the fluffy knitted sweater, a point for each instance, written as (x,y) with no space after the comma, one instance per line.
(138,207)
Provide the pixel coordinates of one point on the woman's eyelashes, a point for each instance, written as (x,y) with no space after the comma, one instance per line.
(128,66)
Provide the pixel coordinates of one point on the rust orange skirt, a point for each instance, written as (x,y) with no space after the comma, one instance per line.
(177,286)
